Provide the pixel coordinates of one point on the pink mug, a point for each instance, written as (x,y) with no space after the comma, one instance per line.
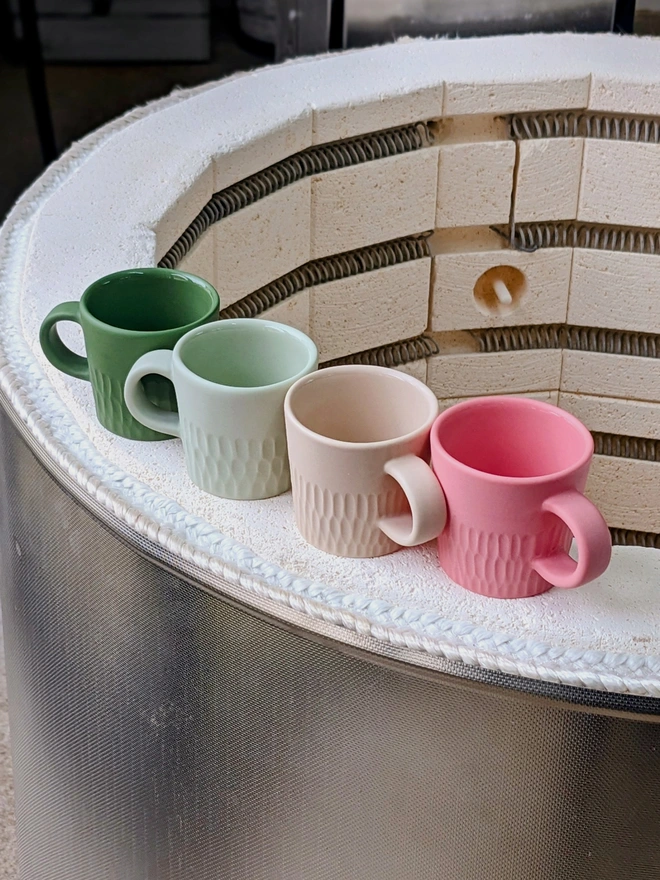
(513,471)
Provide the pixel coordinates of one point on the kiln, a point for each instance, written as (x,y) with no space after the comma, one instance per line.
(194,692)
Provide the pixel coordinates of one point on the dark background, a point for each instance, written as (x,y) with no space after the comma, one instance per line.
(83,96)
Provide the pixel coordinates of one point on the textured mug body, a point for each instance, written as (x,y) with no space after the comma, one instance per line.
(340,495)
(234,447)
(232,431)
(123,316)
(345,490)
(494,533)
(110,360)
(508,533)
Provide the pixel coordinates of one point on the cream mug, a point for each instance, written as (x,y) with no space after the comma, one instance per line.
(358,439)
(230,379)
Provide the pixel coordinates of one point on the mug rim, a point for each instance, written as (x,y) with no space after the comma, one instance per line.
(218,327)
(157,271)
(391,374)
(437,447)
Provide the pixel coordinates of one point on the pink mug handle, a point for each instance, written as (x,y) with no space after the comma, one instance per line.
(591,534)
(428,508)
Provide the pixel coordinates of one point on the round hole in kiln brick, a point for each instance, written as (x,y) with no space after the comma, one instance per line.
(499,290)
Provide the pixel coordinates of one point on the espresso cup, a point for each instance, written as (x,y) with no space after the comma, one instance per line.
(123,316)
(358,446)
(513,472)
(230,379)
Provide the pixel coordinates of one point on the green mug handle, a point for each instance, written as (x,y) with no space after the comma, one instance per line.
(52,346)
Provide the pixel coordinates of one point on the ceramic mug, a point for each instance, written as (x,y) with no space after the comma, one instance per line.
(513,471)
(230,379)
(123,316)
(358,445)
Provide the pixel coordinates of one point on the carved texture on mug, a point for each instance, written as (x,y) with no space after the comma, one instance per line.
(112,412)
(490,562)
(108,397)
(345,524)
(235,468)
(107,394)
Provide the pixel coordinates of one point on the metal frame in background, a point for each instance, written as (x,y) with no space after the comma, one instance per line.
(303,28)
(308,27)
(36,77)
(624,17)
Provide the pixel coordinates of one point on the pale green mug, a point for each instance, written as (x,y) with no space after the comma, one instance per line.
(230,379)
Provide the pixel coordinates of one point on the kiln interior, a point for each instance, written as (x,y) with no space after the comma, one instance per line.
(497,254)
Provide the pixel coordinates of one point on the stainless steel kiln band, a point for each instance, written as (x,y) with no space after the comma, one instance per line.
(165,729)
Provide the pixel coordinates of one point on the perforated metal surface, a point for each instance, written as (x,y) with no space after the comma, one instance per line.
(161,733)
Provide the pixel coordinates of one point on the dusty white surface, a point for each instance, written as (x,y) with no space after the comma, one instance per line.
(293,311)
(618,613)
(548,181)
(622,289)
(502,372)
(620,183)
(251,121)
(261,242)
(626,491)
(377,201)
(200,260)
(617,375)
(364,311)
(633,417)
(547,275)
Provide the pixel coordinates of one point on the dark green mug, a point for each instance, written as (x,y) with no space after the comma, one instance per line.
(123,316)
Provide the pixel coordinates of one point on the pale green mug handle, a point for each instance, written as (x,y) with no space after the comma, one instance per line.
(137,403)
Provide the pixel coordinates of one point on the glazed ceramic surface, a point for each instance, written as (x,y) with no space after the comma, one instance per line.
(513,472)
(239,639)
(305,192)
(358,440)
(230,378)
(123,316)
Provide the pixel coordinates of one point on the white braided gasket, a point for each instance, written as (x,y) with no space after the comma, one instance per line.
(196,541)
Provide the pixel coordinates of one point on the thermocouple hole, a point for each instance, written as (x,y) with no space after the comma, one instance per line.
(499,290)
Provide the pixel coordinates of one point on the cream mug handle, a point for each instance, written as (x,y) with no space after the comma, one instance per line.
(428,508)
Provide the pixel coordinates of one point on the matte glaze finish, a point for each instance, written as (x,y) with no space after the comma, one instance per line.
(123,316)
(513,471)
(230,380)
(358,443)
